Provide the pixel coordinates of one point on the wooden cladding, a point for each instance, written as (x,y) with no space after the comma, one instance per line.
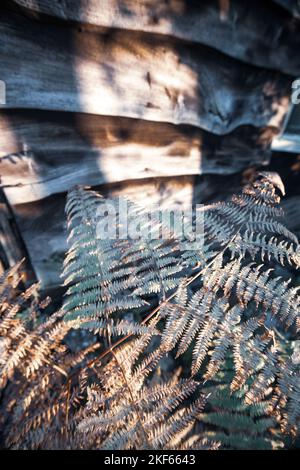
(139,95)
(44,153)
(253,31)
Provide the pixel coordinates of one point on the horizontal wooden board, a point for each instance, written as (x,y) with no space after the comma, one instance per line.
(126,74)
(253,31)
(43,153)
(43,223)
(137,97)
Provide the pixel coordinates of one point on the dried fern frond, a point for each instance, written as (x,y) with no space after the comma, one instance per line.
(285,403)
(251,220)
(35,367)
(203,299)
(129,413)
(240,305)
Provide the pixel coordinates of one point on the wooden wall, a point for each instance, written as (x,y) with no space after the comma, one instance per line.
(140,97)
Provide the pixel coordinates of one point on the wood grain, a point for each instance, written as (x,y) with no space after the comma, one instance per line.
(44,153)
(44,222)
(159,101)
(126,74)
(256,32)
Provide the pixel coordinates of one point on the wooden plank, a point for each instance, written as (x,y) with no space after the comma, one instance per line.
(252,31)
(43,223)
(289,143)
(8,240)
(43,153)
(126,74)
(47,246)
(12,247)
(289,139)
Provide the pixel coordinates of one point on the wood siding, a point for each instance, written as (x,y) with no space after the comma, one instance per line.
(137,97)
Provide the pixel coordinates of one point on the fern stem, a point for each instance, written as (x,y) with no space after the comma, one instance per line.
(153,312)
(133,401)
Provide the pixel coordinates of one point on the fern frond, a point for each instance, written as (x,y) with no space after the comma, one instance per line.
(204,299)
(258,244)
(133,414)
(233,422)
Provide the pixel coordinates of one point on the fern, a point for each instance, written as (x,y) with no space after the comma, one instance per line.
(198,301)
(236,424)
(230,302)
(35,364)
(97,287)
(127,413)
(106,277)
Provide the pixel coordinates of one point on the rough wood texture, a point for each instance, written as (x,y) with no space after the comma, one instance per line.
(57,67)
(48,152)
(47,246)
(12,247)
(130,90)
(250,30)
(8,240)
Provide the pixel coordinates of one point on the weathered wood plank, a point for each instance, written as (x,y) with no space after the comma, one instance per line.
(43,153)
(46,247)
(54,67)
(253,31)
(12,247)
(8,241)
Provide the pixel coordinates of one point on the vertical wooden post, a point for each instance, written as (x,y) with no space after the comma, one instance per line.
(12,248)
